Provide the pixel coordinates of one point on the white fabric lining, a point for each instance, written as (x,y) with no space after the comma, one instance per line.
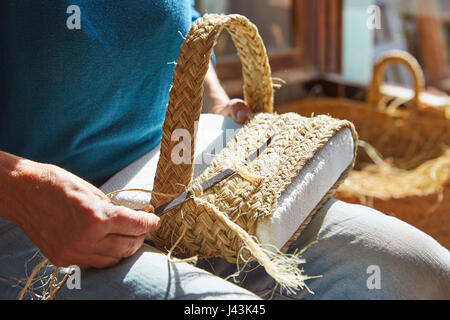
(307,190)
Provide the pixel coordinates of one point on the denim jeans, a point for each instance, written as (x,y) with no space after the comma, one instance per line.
(359,253)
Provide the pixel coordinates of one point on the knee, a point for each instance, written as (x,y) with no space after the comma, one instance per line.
(413,264)
(358,239)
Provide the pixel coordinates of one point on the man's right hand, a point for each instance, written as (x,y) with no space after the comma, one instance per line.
(71,221)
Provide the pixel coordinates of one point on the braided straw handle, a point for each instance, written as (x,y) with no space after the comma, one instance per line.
(373,95)
(185,96)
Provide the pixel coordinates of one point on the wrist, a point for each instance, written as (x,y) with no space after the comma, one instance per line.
(218,100)
(16,176)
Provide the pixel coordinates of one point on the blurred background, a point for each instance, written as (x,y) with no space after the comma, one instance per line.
(324,47)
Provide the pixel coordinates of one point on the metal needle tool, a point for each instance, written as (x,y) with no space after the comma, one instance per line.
(180,199)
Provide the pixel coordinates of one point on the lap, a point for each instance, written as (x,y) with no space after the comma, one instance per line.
(349,245)
(350,242)
(145,275)
(354,240)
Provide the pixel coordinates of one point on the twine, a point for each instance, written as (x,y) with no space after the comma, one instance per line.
(31,277)
(281,267)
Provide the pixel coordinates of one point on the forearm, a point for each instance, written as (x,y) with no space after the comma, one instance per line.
(215,96)
(69,220)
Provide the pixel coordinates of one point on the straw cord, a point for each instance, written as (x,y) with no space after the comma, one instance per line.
(284,269)
(185,96)
(31,277)
(55,289)
(192,259)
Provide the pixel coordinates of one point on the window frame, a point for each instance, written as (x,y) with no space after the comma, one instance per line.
(317,45)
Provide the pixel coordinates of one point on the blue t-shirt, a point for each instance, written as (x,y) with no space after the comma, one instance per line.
(90,100)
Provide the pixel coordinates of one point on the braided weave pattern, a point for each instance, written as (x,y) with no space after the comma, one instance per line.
(211,224)
(185,96)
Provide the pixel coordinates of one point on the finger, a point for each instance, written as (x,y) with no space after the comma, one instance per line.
(240,111)
(128,222)
(119,246)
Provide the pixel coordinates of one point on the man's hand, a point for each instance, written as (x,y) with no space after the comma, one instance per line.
(236,108)
(219,101)
(71,221)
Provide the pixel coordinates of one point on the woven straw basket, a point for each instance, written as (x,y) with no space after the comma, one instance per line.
(221,221)
(404,169)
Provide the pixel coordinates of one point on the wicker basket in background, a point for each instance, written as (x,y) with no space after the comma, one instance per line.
(403,168)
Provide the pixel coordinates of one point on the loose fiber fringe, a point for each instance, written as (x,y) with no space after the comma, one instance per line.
(49,284)
(283,268)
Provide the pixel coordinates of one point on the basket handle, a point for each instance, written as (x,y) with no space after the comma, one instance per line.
(373,95)
(185,96)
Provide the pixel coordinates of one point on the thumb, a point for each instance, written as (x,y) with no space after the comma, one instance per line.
(132,223)
(240,111)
